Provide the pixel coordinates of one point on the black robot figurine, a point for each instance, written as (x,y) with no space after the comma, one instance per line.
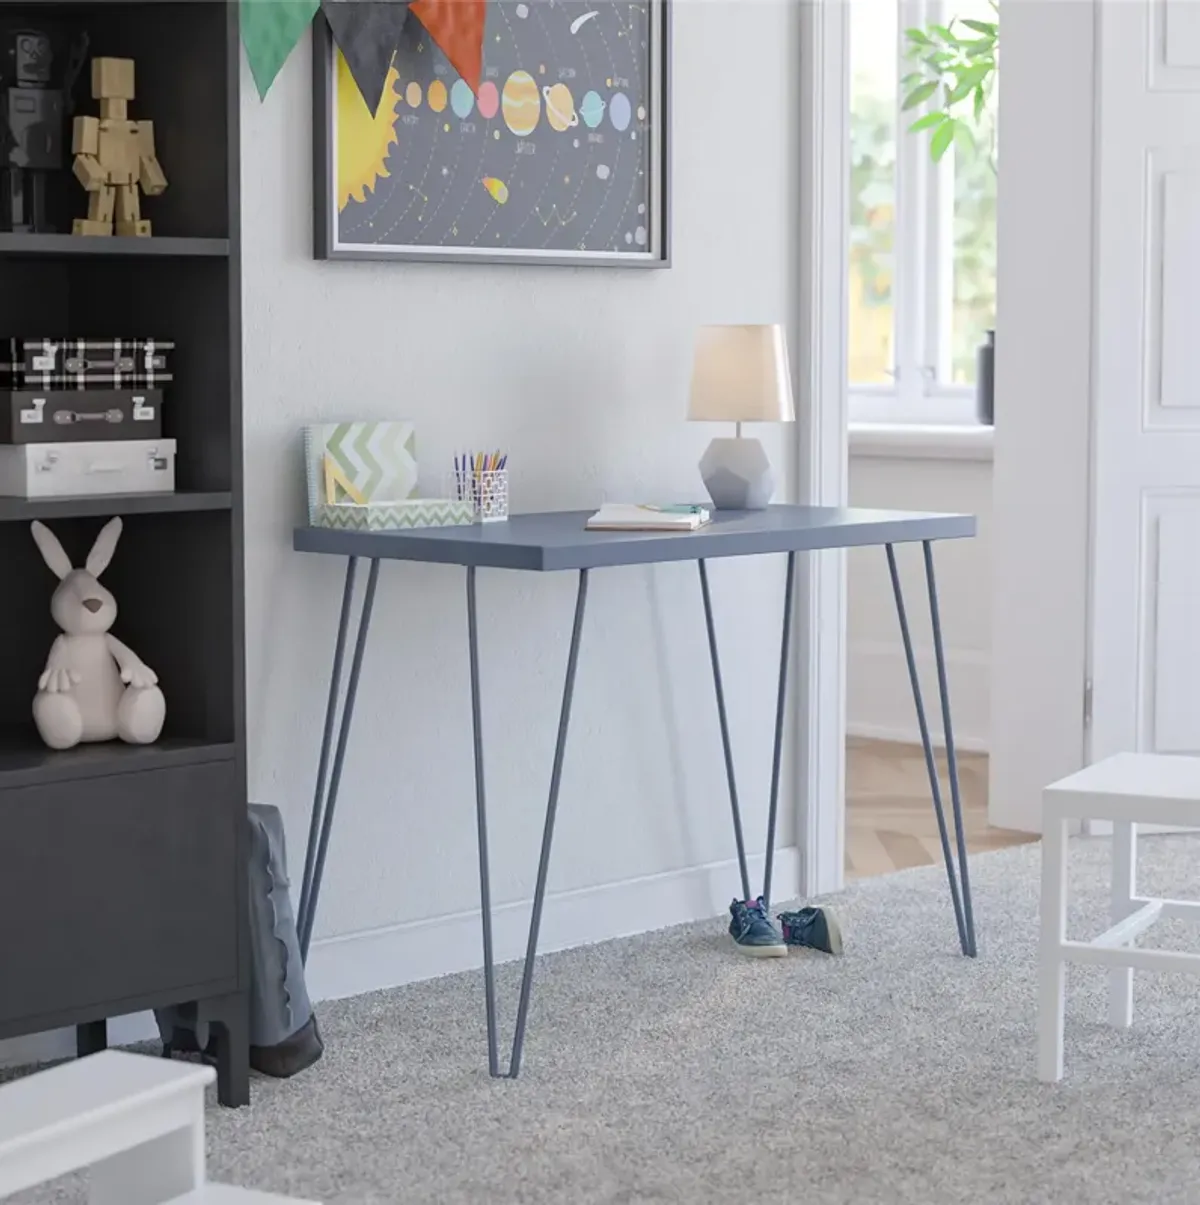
(31,124)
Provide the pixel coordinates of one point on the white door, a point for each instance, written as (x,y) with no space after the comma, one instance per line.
(1145,628)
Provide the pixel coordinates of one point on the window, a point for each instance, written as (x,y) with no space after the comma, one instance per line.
(922,258)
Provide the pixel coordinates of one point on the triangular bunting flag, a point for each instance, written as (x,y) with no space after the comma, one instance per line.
(456,26)
(270,31)
(367,33)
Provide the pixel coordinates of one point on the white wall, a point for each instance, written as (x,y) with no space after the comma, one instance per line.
(581,374)
(879,699)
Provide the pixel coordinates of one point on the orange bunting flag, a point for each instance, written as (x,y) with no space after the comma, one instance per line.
(456,26)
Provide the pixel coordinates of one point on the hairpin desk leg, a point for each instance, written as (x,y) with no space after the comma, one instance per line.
(315,855)
(789,598)
(335,687)
(539,894)
(485,882)
(965,934)
(727,747)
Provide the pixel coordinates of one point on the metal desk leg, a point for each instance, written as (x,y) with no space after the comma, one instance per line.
(485,883)
(725,743)
(789,591)
(335,684)
(539,894)
(963,917)
(780,709)
(951,754)
(325,801)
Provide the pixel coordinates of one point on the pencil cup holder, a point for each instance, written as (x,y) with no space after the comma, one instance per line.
(487,492)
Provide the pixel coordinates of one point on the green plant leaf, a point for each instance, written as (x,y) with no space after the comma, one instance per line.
(981,50)
(956,93)
(976,73)
(919,95)
(988,27)
(980,101)
(943,136)
(944,33)
(962,135)
(929,120)
(911,79)
(918,36)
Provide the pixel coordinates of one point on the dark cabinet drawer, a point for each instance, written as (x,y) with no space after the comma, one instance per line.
(119,887)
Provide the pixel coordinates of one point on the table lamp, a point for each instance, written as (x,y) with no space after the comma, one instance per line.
(740,375)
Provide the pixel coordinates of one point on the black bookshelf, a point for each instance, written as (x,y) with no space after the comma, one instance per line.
(122,869)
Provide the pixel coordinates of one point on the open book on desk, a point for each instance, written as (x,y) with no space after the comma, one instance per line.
(615,516)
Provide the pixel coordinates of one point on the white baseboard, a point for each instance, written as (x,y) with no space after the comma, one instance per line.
(373,959)
(910,736)
(879,701)
(367,961)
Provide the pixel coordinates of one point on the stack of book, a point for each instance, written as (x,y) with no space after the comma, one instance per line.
(617,516)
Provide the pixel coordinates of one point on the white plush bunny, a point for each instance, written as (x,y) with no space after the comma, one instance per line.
(94,688)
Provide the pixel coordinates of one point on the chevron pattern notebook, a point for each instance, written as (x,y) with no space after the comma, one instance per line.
(364,462)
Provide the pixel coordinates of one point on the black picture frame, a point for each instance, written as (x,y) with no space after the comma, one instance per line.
(328,246)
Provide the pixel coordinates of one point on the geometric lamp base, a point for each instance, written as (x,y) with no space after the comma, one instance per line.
(737,474)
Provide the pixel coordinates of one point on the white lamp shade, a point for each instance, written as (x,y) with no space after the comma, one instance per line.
(740,375)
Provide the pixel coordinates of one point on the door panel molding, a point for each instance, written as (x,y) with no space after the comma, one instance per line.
(1173,42)
(1169,719)
(1172,288)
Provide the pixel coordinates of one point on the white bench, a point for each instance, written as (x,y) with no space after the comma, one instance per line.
(136,1122)
(1129,789)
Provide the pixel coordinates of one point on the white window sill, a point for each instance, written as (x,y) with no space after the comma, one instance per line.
(922,441)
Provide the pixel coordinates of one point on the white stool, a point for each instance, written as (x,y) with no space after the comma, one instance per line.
(137,1122)
(1128,789)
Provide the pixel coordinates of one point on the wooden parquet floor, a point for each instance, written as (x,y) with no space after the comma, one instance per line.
(890,822)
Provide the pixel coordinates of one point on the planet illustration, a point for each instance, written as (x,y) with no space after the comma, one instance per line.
(521,103)
(560,107)
(488,100)
(462,99)
(620,111)
(412,94)
(437,96)
(591,109)
(497,189)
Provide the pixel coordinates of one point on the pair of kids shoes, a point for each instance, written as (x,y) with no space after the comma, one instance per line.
(755,935)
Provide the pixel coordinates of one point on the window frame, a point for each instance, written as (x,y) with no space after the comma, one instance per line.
(923,272)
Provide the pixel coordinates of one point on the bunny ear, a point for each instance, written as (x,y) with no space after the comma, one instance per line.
(52,550)
(104,547)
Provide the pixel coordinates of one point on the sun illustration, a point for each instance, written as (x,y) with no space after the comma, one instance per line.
(363,141)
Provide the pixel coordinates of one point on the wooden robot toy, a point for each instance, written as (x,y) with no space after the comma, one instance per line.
(114,156)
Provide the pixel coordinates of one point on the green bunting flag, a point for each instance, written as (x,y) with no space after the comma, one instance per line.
(270,31)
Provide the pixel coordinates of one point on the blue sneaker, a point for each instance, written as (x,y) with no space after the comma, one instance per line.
(816,928)
(752,930)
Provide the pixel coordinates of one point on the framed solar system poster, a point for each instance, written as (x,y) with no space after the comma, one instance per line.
(560,157)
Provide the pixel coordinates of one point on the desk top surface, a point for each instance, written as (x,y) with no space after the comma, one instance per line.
(559,539)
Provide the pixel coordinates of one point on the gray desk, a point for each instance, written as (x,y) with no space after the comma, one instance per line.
(559,541)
